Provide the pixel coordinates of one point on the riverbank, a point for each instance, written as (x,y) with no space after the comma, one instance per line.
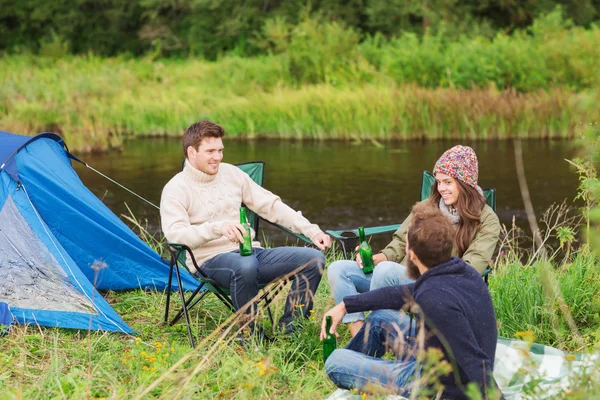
(96,103)
(319,80)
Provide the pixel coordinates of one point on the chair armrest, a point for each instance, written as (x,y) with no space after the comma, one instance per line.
(348,238)
(283,228)
(375,230)
(177,248)
(378,230)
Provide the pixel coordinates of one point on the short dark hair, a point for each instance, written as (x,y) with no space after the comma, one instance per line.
(430,235)
(196,132)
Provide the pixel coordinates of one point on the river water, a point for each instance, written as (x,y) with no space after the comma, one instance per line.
(339,185)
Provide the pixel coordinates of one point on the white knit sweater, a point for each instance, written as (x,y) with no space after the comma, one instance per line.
(194,205)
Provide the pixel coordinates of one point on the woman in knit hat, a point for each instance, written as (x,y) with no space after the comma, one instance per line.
(456,193)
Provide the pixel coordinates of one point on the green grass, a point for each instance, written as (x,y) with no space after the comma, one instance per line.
(44,363)
(95,103)
(539,298)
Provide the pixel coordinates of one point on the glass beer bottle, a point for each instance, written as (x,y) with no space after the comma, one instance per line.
(329,341)
(366,253)
(246,245)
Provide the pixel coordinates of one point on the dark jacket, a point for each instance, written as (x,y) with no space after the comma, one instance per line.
(458,311)
(478,254)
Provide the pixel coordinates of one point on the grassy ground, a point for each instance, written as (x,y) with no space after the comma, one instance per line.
(42,363)
(50,363)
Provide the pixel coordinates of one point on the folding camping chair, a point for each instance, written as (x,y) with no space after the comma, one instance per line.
(348,239)
(207,285)
(178,256)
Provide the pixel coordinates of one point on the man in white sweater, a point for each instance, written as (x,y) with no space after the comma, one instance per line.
(199,207)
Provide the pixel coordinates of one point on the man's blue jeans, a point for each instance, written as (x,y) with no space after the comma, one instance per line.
(359,365)
(346,278)
(243,275)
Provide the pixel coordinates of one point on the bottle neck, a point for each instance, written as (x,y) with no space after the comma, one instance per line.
(361,235)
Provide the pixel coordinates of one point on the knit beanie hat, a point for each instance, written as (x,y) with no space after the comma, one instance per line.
(459,162)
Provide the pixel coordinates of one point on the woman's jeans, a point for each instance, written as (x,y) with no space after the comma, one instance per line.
(346,278)
(243,275)
(359,365)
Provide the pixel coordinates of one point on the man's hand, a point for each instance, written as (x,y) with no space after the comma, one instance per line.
(336,313)
(233,231)
(322,241)
(377,258)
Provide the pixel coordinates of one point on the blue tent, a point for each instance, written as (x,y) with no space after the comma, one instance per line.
(59,242)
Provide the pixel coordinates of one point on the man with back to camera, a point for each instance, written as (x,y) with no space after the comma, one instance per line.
(200,208)
(452,301)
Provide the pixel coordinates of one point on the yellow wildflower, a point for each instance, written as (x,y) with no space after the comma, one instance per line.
(527,336)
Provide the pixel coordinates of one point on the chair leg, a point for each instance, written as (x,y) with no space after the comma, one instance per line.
(274,293)
(344,252)
(187,303)
(184,306)
(224,299)
(189,306)
(268,305)
(267,300)
(169,287)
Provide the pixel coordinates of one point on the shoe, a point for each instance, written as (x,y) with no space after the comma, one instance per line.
(290,328)
(259,333)
(254,333)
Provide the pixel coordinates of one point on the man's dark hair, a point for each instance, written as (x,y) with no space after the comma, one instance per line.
(430,235)
(196,132)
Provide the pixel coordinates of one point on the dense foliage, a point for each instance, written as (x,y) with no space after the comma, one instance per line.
(212,27)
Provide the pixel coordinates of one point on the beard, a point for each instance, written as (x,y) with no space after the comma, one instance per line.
(412,270)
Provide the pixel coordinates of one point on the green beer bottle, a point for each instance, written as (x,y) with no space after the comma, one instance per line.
(329,341)
(246,245)
(366,253)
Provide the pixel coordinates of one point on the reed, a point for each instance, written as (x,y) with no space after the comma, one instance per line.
(95,103)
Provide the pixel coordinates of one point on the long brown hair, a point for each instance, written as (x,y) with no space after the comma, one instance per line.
(469,205)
